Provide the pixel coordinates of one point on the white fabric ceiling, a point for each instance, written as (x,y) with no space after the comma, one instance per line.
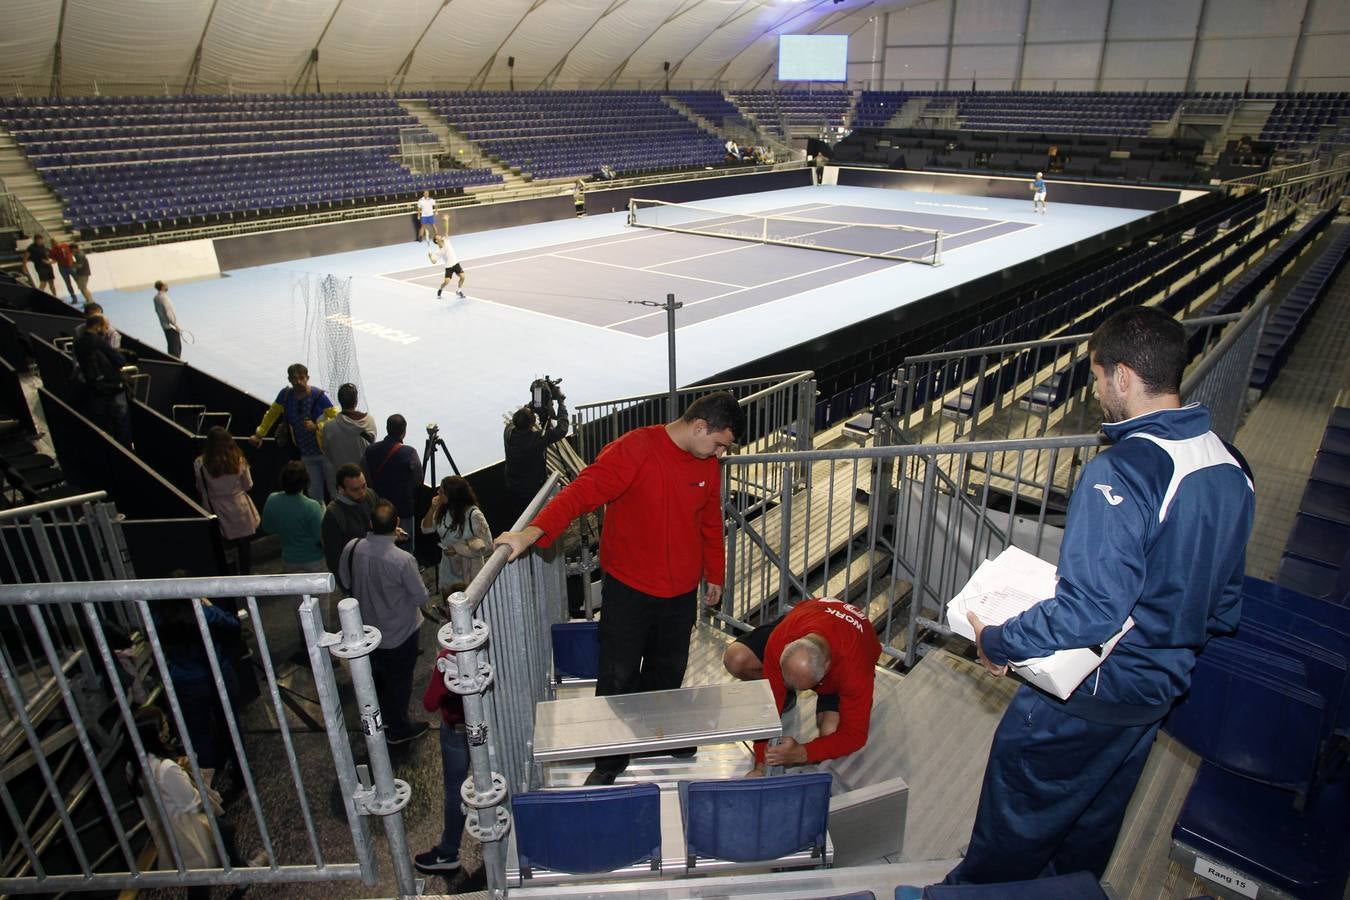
(364,44)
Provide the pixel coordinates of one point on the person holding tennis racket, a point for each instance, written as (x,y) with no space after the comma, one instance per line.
(168,320)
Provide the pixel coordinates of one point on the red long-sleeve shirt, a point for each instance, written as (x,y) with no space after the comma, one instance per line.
(437,698)
(663,522)
(854,650)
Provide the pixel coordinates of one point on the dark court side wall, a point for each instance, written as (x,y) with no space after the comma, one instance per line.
(339,237)
(1086,193)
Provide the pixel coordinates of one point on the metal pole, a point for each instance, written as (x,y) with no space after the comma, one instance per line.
(389,795)
(672,401)
(483,792)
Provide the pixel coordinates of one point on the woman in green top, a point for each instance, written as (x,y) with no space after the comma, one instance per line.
(296,519)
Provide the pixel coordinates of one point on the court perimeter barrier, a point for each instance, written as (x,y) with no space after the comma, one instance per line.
(880,241)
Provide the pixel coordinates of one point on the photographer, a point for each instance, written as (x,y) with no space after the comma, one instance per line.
(526,440)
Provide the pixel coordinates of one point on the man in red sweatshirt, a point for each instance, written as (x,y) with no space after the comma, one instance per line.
(824,646)
(662,536)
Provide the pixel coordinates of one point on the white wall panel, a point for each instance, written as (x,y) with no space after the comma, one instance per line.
(1247,18)
(98,44)
(26,41)
(1234,58)
(920,68)
(1060,62)
(1067,20)
(989,21)
(992,67)
(1322,66)
(365,43)
(1154,19)
(1329,15)
(1146,65)
(926,23)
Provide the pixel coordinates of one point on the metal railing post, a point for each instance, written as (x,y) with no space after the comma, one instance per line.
(388,795)
(484,791)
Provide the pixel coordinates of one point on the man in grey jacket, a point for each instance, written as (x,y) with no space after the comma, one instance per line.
(344,439)
(386,582)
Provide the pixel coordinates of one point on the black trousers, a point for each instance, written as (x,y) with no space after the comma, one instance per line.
(644,645)
(392,669)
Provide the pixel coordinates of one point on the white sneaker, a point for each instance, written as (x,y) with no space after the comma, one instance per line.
(459,294)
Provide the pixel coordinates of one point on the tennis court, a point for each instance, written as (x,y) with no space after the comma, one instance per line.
(724,268)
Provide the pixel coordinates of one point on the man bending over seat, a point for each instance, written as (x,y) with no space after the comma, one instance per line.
(824,646)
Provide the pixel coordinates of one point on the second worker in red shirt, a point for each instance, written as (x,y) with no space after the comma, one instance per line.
(661,487)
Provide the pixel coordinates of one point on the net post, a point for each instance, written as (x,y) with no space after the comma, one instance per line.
(937,248)
(632,212)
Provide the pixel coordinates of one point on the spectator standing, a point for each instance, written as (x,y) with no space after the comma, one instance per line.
(1156,532)
(168,320)
(301,408)
(82,271)
(662,536)
(345,437)
(39,254)
(297,519)
(579,197)
(461,532)
(91,309)
(526,466)
(386,582)
(190,670)
(348,515)
(183,809)
(395,471)
(224,480)
(444,857)
(426,216)
(65,261)
(105,389)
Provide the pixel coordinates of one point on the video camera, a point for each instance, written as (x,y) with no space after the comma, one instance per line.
(544,393)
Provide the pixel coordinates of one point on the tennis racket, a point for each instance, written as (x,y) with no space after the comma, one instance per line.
(187,336)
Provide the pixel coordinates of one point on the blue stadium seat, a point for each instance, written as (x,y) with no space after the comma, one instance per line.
(588,830)
(576,650)
(755,819)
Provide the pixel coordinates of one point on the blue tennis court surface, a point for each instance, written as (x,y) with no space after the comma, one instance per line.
(555,297)
(599,281)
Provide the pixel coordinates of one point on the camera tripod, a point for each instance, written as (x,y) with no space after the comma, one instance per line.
(434,440)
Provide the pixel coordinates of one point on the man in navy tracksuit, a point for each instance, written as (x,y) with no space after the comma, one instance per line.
(1157,530)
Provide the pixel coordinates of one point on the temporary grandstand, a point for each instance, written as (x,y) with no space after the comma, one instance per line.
(642,207)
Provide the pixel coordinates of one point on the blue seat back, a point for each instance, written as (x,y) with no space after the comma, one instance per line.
(576,649)
(753,819)
(589,830)
(1249,723)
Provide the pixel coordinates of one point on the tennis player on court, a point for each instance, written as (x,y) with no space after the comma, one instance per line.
(426,212)
(444,254)
(1038,193)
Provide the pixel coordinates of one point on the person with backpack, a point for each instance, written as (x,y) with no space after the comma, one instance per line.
(395,471)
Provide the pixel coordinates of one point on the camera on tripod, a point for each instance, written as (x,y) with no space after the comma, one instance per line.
(433,431)
(545,392)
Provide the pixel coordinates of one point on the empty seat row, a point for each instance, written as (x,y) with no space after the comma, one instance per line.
(1316,559)
(1291,316)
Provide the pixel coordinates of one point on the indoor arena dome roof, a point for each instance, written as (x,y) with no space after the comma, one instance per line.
(154,46)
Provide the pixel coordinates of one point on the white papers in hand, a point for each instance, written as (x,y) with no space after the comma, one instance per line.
(1009,585)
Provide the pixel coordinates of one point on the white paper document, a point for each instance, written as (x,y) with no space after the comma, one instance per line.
(1008,585)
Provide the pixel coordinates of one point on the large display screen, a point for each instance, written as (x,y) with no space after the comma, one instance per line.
(813,57)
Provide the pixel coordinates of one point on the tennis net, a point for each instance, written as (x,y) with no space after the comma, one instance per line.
(898,242)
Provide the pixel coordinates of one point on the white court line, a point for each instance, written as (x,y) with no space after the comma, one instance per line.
(597,262)
(739,246)
(847,262)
